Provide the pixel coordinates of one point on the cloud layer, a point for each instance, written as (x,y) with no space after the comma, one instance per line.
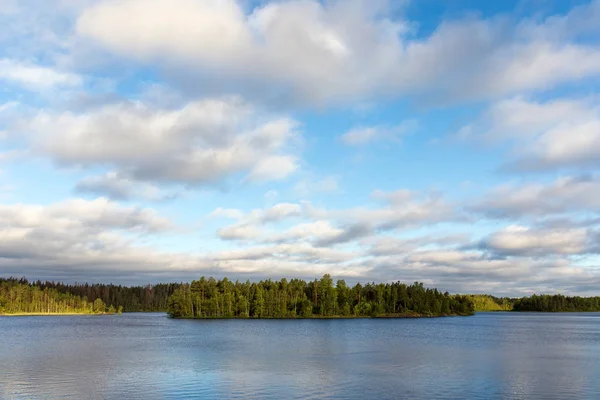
(337,51)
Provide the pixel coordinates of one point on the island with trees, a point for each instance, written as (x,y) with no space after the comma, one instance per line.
(211,298)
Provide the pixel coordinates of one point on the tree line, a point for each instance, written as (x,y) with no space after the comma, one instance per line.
(208,297)
(540,303)
(556,303)
(146,298)
(211,298)
(21,297)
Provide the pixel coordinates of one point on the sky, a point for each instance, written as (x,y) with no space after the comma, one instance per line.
(455,143)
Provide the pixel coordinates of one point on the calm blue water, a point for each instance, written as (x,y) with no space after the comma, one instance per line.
(149,356)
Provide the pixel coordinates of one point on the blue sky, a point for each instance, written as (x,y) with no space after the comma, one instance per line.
(450,142)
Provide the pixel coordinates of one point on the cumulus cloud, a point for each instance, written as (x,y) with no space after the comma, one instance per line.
(78,213)
(343,50)
(277,212)
(249,226)
(113,186)
(35,77)
(390,245)
(300,252)
(239,232)
(547,135)
(75,234)
(401,209)
(205,142)
(99,240)
(314,232)
(564,195)
(96,240)
(522,241)
(273,168)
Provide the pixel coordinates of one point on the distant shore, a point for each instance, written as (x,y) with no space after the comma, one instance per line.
(49,314)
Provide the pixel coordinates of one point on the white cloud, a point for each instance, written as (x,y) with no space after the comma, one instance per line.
(273,168)
(204,142)
(208,31)
(98,240)
(518,240)
(564,195)
(95,214)
(289,252)
(79,239)
(72,228)
(121,188)
(342,51)
(239,232)
(401,209)
(276,213)
(91,240)
(249,226)
(545,136)
(36,77)
(390,245)
(314,232)
(328,227)
(471,271)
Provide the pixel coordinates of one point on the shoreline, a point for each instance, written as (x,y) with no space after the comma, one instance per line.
(50,314)
(399,316)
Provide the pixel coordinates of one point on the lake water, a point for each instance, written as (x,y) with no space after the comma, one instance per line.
(149,356)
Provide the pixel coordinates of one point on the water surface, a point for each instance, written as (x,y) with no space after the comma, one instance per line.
(149,356)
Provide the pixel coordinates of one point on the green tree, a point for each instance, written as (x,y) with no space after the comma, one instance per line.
(99,306)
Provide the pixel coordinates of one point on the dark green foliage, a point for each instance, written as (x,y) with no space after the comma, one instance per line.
(556,303)
(209,298)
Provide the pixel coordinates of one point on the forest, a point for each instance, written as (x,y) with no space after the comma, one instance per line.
(556,303)
(211,298)
(148,298)
(539,303)
(21,297)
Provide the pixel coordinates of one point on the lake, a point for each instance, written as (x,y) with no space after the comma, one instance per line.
(149,356)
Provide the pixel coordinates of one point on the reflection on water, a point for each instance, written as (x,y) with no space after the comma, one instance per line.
(149,356)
